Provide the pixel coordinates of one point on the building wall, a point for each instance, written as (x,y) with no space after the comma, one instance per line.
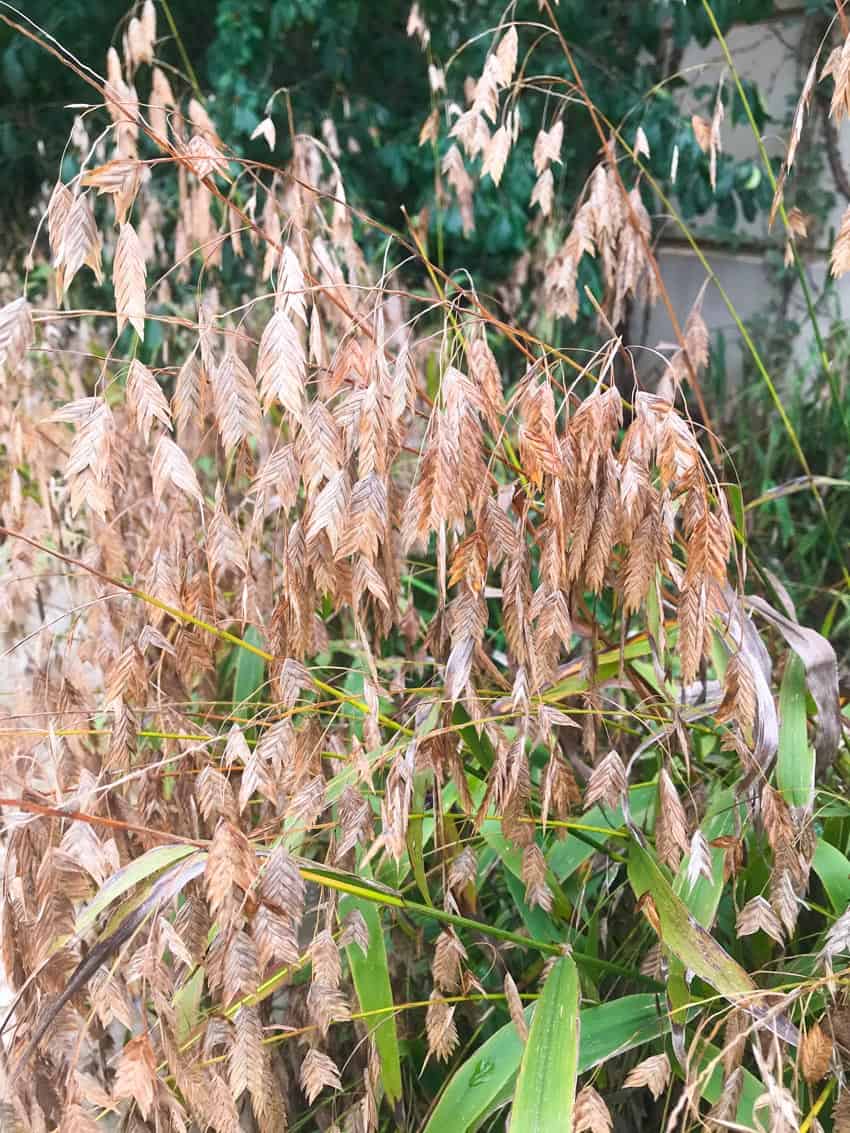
(771,55)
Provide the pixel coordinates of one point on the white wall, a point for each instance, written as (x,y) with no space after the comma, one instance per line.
(767,54)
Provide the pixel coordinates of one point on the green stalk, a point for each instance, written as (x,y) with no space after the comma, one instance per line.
(396,901)
(184,55)
(821,1100)
(390,899)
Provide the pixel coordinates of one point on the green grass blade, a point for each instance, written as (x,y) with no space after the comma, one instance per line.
(249,672)
(144,867)
(486,1079)
(546,1088)
(704,896)
(712,1087)
(416,837)
(570,853)
(681,932)
(478,745)
(187,1004)
(536,920)
(612,1028)
(372,983)
(833,868)
(795,762)
(702,899)
(511,858)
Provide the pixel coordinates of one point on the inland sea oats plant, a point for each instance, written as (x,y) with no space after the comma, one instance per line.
(396,740)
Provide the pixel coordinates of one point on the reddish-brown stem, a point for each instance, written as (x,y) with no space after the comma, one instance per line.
(97,820)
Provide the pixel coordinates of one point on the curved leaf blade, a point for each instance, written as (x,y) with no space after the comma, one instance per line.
(681,931)
(150,863)
(833,868)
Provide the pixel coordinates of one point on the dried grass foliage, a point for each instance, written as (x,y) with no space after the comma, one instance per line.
(289,468)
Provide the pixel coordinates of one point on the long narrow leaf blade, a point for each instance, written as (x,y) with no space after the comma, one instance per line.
(682,933)
(248,674)
(486,1079)
(372,982)
(795,763)
(833,868)
(546,1087)
(703,897)
(150,863)
(821,666)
